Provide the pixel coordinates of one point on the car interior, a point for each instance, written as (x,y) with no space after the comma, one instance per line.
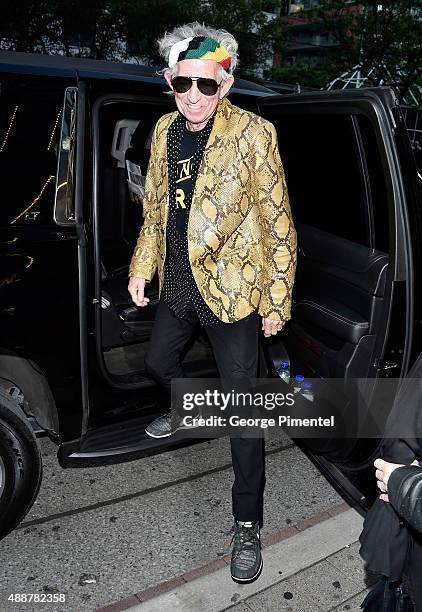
(126,134)
(338,195)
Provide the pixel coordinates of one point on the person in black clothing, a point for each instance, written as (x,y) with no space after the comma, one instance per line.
(401,489)
(391,539)
(401,485)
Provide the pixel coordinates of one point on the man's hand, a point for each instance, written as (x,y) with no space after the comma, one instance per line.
(271,327)
(384,469)
(136,289)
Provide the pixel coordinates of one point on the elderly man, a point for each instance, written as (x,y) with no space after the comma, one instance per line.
(218,227)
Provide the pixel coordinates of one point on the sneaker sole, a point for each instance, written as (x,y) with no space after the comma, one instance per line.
(151,435)
(246,580)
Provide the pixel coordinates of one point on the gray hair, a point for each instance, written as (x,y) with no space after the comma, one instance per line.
(189,30)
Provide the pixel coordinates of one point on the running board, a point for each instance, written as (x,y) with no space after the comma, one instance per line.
(115,443)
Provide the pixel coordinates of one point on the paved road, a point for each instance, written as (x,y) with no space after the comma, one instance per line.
(98,535)
(317,569)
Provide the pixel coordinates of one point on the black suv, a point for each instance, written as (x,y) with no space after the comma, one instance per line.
(74,149)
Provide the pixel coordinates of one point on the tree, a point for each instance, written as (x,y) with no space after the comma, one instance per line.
(144,21)
(54,26)
(91,26)
(128,29)
(307,73)
(248,24)
(31,33)
(385,35)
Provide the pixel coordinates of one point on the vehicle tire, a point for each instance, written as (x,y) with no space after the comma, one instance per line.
(20,465)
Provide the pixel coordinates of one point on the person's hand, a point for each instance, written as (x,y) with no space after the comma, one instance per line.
(384,469)
(136,289)
(271,327)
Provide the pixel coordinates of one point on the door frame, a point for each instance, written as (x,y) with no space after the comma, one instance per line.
(97,328)
(377,103)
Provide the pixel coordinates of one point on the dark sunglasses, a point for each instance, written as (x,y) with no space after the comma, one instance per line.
(182,84)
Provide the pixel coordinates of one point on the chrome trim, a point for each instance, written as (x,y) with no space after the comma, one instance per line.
(64,207)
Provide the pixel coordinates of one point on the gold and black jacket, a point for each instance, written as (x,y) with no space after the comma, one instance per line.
(241,237)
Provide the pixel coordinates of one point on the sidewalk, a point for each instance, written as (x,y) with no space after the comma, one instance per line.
(311,567)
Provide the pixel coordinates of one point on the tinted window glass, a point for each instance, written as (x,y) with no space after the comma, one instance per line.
(413,121)
(324,175)
(377,183)
(30,121)
(125,136)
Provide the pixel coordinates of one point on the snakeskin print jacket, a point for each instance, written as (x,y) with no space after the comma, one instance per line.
(241,237)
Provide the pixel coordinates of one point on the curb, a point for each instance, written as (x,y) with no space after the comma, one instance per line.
(218,564)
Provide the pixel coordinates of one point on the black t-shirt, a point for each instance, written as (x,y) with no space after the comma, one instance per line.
(185,151)
(184,178)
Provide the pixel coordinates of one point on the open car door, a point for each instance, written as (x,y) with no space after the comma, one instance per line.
(353,294)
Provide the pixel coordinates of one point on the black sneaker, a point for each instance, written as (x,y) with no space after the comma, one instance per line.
(161,427)
(166,425)
(246,562)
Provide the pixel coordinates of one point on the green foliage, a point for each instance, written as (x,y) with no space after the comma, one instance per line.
(123,29)
(143,21)
(384,35)
(307,73)
(128,29)
(90,25)
(26,34)
(248,24)
(53,26)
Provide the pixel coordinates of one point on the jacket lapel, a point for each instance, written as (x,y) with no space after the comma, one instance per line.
(165,154)
(218,131)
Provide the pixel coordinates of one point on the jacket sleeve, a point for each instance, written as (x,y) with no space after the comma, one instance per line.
(144,259)
(278,231)
(405,494)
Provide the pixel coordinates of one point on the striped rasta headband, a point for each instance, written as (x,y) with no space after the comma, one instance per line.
(199,47)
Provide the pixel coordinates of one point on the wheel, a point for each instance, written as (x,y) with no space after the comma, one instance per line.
(20,465)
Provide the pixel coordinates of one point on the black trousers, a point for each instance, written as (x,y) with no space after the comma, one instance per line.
(235,348)
(413,568)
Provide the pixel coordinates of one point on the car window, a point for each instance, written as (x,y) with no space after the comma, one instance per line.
(30,119)
(336,177)
(377,183)
(413,121)
(324,174)
(125,131)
